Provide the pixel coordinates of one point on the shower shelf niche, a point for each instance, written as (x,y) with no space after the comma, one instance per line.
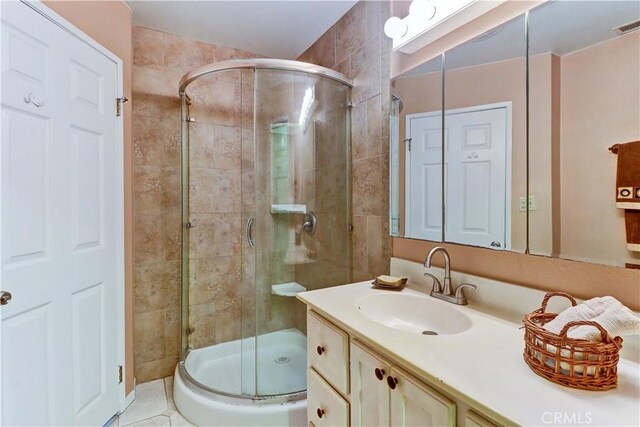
(288,208)
(290,289)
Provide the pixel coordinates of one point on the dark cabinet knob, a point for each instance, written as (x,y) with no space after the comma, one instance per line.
(320,412)
(320,350)
(379,374)
(392,382)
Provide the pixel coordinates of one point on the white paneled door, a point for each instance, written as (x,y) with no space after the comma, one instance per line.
(423,203)
(59,222)
(477,182)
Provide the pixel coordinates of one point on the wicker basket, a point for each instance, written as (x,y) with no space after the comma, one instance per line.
(576,363)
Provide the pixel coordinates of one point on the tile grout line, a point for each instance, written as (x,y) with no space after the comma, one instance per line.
(166,396)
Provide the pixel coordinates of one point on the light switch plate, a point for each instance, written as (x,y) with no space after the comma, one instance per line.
(523,204)
(533,205)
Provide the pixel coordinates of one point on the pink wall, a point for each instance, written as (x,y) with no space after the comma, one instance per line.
(600,107)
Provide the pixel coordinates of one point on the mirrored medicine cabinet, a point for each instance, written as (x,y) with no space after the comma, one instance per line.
(501,142)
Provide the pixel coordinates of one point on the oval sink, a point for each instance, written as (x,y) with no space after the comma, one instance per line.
(412,313)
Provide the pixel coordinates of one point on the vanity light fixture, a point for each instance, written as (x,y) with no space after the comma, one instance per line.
(418,28)
(422,9)
(395,27)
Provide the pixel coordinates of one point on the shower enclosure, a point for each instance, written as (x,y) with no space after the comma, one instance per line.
(265,215)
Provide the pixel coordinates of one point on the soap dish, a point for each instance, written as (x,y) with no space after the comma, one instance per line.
(290,289)
(390,283)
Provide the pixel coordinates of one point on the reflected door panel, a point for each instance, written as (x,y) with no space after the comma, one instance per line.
(424,176)
(476,176)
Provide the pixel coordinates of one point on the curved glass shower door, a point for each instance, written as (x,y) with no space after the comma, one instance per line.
(301,206)
(266,208)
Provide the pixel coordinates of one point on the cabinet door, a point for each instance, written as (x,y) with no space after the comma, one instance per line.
(369,390)
(412,403)
(472,419)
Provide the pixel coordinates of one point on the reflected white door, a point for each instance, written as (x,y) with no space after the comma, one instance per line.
(58,224)
(423,204)
(476,183)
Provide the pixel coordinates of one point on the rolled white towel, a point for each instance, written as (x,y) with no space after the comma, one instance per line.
(584,311)
(617,320)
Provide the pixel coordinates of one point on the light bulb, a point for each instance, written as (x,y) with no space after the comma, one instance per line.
(422,9)
(395,27)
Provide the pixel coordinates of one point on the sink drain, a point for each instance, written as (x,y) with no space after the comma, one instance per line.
(429,333)
(282,360)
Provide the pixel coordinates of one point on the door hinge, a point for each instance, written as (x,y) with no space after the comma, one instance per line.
(119,102)
(408,141)
(119,374)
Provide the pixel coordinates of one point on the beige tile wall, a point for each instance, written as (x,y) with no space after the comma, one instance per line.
(353,46)
(356,47)
(160,60)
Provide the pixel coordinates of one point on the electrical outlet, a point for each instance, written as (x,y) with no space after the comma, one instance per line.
(523,204)
(532,204)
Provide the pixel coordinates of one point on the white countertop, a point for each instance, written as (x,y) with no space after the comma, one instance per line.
(484,365)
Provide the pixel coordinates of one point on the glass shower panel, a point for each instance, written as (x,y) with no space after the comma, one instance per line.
(302,207)
(217,296)
(247,244)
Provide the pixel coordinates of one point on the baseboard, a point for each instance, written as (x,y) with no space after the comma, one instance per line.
(128,400)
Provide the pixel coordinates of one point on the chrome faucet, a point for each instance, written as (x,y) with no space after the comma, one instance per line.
(446,293)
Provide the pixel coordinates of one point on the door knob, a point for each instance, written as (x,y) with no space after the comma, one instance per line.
(495,244)
(5,297)
(379,373)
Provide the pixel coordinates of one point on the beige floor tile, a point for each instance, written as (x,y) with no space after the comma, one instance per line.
(177,420)
(150,402)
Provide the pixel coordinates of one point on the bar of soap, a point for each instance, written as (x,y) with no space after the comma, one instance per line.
(391,280)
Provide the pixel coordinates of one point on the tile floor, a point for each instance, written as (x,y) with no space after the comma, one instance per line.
(153,406)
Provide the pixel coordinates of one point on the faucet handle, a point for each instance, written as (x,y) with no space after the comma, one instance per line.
(437,286)
(460,291)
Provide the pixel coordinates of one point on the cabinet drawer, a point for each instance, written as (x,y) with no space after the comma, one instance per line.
(472,419)
(328,351)
(325,407)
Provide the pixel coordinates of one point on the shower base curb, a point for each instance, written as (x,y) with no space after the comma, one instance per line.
(205,411)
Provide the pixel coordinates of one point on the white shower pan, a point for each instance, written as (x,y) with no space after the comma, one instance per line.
(230,368)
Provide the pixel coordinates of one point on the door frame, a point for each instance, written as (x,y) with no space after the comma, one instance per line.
(508,106)
(46,12)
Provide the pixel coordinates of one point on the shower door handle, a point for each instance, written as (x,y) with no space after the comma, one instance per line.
(249,232)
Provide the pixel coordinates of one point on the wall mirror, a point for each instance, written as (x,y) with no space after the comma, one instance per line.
(476,92)
(416,204)
(585,96)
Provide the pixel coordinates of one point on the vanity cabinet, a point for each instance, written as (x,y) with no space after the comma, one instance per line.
(327,373)
(382,394)
(350,384)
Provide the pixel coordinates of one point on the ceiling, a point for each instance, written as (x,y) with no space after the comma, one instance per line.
(278,29)
(556,26)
